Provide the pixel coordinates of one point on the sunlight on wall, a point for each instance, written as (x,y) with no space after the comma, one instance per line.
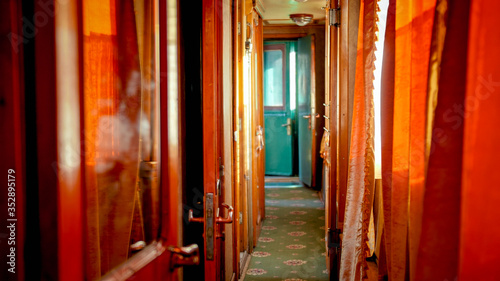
(292,79)
(379,54)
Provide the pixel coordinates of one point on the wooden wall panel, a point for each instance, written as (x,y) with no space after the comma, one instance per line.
(240,182)
(260,90)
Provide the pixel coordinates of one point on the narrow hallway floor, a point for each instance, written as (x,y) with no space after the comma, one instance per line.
(291,244)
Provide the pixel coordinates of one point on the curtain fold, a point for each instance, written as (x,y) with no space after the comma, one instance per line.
(401,142)
(404,156)
(361,158)
(404,130)
(421,35)
(438,249)
(439,137)
(387,127)
(480,198)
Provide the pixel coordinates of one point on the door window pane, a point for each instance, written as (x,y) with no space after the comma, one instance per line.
(274,87)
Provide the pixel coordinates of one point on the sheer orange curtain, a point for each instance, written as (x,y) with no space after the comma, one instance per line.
(480,203)
(361,174)
(100,95)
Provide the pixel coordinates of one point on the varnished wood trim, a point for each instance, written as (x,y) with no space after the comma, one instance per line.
(236,175)
(228,187)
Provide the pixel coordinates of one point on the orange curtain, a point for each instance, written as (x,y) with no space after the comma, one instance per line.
(361,174)
(438,249)
(404,130)
(439,140)
(479,223)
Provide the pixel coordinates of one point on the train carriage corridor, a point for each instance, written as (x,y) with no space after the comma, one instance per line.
(249,140)
(292,244)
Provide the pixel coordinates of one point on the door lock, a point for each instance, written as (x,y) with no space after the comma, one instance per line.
(210,222)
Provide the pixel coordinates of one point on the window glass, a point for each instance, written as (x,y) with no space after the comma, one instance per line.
(120,130)
(273,79)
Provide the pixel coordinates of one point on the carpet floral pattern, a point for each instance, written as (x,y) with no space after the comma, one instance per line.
(291,245)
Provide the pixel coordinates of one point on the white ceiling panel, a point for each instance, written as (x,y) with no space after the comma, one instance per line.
(278,11)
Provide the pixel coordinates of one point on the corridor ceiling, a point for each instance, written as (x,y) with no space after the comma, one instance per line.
(278,11)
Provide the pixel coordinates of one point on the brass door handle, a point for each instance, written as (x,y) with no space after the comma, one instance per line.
(308,116)
(261,142)
(248,42)
(260,137)
(288,126)
(229,218)
(181,256)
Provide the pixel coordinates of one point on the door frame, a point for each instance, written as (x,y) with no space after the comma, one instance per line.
(228,153)
(12,143)
(331,109)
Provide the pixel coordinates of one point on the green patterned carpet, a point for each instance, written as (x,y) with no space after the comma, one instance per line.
(291,245)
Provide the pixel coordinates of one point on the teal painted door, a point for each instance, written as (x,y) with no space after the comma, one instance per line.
(304,119)
(278,119)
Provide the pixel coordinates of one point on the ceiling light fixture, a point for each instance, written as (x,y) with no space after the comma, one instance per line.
(301,1)
(301,19)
